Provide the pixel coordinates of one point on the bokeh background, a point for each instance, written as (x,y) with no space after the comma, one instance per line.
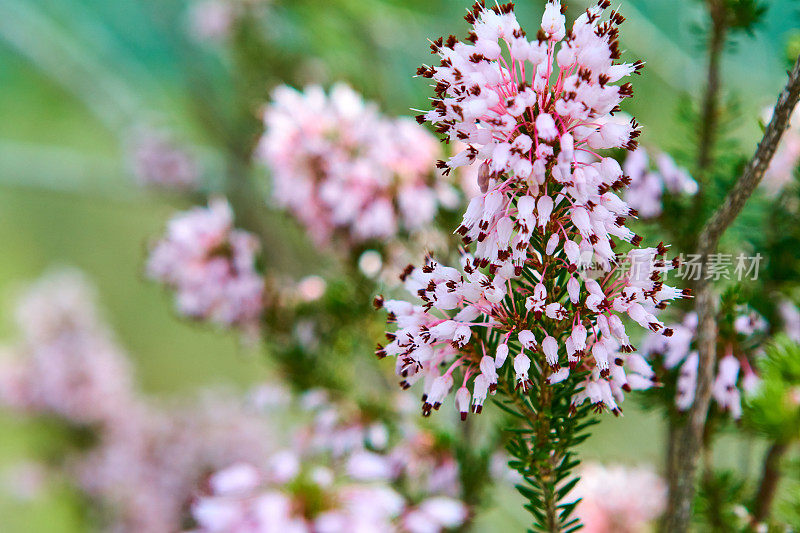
(78,76)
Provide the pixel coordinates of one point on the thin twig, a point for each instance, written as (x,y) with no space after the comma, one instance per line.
(681,479)
(710,111)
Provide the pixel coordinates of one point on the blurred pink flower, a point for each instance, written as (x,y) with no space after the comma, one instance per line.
(159,161)
(618,499)
(729,383)
(145,470)
(67,363)
(339,166)
(212,20)
(337,477)
(648,185)
(211,266)
(791,319)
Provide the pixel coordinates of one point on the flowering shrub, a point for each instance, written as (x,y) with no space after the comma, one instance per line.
(535,249)
(340,475)
(544,283)
(740,343)
(542,220)
(241,498)
(340,167)
(145,466)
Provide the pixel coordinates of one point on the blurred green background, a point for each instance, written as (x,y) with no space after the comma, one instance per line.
(77,75)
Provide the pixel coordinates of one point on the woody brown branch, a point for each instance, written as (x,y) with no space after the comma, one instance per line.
(682,478)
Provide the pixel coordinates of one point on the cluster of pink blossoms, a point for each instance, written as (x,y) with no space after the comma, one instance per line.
(67,363)
(341,168)
(146,471)
(368,454)
(147,460)
(648,186)
(338,476)
(618,499)
(146,467)
(545,218)
(211,266)
(734,373)
(245,499)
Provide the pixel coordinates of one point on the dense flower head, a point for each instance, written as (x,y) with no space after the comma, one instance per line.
(157,160)
(313,499)
(370,453)
(734,369)
(508,109)
(649,185)
(342,473)
(341,168)
(544,285)
(619,499)
(144,471)
(67,363)
(210,265)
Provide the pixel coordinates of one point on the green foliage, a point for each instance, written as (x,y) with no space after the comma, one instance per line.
(787,508)
(683,218)
(542,447)
(718,504)
(745,15)
(774,411)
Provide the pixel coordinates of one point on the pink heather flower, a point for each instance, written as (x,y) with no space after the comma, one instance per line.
(311,288)
(67,363)
(781,170)
(366,453)
(211,266)
(345,506)
(734,372)
(618,499)
(349,469)
(791,319)
(647,186)
(145,470)
(750,323)
(397,255)
(340,167)
(526,119)
(159,161)
(724,390)
(676,179)
(434,515)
